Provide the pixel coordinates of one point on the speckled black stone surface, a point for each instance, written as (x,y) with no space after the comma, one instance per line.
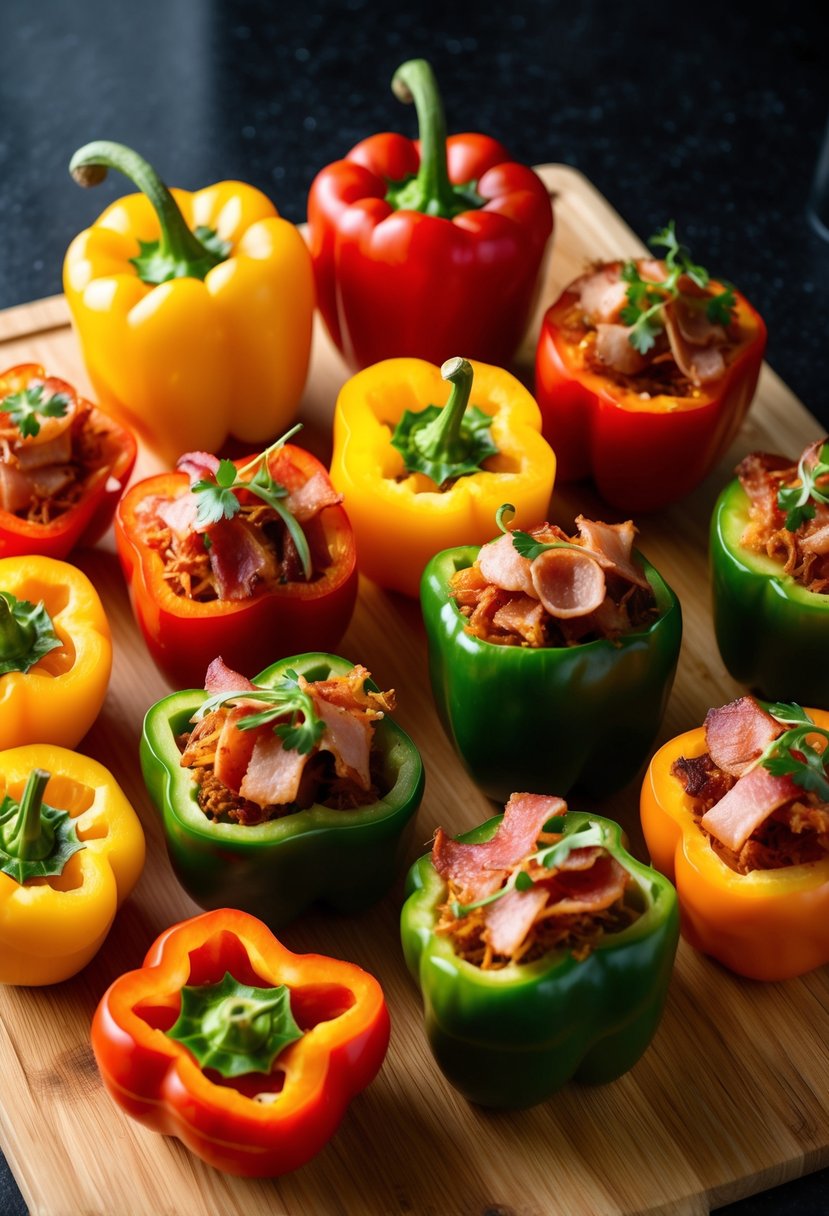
(710,113)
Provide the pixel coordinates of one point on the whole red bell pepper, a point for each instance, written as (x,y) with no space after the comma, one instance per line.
(246,1052)
(643,444)
(102,451)
(276,619)
(427,248)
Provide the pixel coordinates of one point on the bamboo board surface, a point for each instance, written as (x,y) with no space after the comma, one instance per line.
(730,1098)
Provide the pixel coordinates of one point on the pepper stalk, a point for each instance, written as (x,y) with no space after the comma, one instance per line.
(26,633)
(36,840)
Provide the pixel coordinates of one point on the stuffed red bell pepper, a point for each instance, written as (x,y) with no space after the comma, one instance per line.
(63,465)
(644,373)
(249,1054)
(252,560)
(427,247)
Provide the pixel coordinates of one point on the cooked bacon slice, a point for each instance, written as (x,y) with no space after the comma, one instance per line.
(587,888)
(614,544)
(524,616)
(198,465)
(747,805)
(701,778)
(238,559)
(818,542)
(509,919)
(738,733)
(613,348)
(478,869)
(179,514)
(348,738)
(349,692)
(701,364)
(15,489)
(235,748)
(221,678)
(602,294)
(694,325)
(32,454)
(274,772)
(503,566)
(568,583)
(313,496)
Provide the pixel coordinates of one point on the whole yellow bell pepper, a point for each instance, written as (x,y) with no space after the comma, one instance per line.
(55,652)
(193,311)
(418,477)
(71,850)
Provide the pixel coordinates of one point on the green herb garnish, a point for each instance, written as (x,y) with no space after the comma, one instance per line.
(523,543)
(798,501)
(643,311)
(25,407)
(790,754)
(300,734)
(218,498)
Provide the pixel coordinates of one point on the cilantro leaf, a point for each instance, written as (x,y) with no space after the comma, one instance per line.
(215,503)
(798,501)
(791,755)
(26,406)
(720,308)
(302,730)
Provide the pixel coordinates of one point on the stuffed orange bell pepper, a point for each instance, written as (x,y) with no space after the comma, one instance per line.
(735,814)
(418,477)
(63,465)
(248,1053)
(71,850)
(193,310)
(55,652)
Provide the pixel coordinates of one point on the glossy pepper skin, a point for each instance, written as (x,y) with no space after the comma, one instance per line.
(514,1036)
(401,521)
(427,248)
(642,454)
(87,521)
(57,699)
(766,925)
(770,629)
(222,347)
(157,1081)
(184,636)
(551,717)
(345,860)
(51,928)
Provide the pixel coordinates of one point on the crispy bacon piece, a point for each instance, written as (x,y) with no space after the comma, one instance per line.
(613,545)
(587,888)
(602,294)
(311,497)
(509,920)
(613,348)
(702,364)
(348,738)
(738,733)
(198,465)
(523,616)
(238,559)
(273,775)
(234,749)
(747,805)
(703,781)
(502,565)
(221,678)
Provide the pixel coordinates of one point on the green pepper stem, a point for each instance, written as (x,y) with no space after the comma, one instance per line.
(232,1024)
(16,637)
(441,439)
(431,191)
(28,836)
(178,246)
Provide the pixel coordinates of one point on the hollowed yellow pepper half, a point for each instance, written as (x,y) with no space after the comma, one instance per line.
(385,434)
(55,652)
(71,850)
(193,310)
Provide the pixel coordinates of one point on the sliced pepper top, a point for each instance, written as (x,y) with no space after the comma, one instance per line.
(539,884)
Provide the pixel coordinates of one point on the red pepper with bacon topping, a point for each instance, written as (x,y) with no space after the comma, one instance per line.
(543,951)
(63,465)
(644,373)
(252,559)
(737,814)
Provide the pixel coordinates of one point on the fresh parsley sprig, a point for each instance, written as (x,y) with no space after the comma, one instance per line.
(799,501)
(790,755)
(523,543)
(218,498)
(643,311)
(25,407)
(550,857)
(301,733)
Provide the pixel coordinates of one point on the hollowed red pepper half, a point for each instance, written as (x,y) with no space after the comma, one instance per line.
(184,635)
(427,247)
(89,516)
(246,1052)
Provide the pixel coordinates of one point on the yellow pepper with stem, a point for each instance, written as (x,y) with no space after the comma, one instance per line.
(193,311)
(55,652)
(419,476)
(71,850)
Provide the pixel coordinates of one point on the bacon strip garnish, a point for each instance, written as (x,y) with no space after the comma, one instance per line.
(737,734)
(613,545)
(568,583)
(747,805)
(238,559)
(502,565)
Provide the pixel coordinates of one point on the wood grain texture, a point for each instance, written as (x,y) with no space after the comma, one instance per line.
(730,1098)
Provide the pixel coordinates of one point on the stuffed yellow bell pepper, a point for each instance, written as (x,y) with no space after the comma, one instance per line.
(55,652)
(71,850)
(418,477)
(193,310)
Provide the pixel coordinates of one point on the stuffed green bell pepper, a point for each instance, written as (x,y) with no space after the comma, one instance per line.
(276,794)
(770,575)
(542,949)
(551,658)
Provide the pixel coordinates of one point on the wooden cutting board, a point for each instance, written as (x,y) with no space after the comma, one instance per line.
(730,1098)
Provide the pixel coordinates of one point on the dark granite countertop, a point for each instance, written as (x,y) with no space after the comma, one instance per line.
(711,114)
